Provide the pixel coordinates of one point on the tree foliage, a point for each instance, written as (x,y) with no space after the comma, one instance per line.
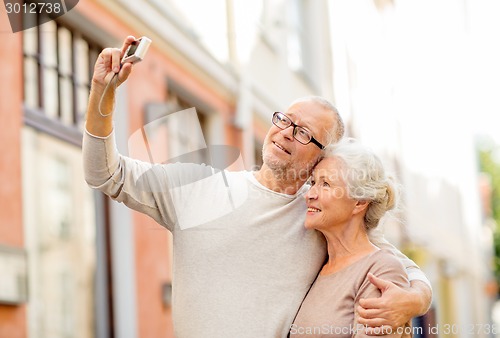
(489,162)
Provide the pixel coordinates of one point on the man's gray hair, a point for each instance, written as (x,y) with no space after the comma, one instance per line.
(338,129)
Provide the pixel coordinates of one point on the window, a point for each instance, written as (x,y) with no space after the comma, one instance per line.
(59,223)
(58,65)
(295,39)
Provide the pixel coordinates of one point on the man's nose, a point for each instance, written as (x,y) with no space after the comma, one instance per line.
(288,132)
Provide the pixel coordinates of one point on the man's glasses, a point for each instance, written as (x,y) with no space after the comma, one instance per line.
(301,134)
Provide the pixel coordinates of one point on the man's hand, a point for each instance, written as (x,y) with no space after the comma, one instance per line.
(108,64)
(101,100)
(395,307)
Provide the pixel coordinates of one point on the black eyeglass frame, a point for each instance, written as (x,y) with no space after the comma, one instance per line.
(313,140)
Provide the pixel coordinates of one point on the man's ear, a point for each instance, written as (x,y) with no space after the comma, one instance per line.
(360,206)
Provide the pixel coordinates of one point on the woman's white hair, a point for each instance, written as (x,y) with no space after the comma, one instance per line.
(365,178)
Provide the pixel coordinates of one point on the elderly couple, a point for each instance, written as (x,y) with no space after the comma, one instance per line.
(291,255)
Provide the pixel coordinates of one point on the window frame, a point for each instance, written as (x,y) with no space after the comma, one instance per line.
(37,117)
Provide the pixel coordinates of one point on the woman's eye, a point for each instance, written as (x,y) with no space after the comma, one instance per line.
(311,182)
(326,184)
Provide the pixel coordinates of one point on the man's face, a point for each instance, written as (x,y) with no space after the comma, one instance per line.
(282,152)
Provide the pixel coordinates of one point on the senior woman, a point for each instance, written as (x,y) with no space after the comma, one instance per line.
(349,194)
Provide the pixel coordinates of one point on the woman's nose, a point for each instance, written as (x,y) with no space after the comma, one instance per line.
(311,194)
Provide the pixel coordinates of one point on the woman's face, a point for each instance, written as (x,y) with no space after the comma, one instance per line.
(328,202)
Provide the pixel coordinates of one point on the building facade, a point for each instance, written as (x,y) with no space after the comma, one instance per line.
(396,78)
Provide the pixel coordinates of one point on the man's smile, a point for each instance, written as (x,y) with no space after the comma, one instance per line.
(281,148)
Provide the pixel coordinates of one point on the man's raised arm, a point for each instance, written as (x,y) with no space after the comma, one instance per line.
(124,179)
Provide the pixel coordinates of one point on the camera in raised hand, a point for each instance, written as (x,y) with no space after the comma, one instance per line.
(137,50)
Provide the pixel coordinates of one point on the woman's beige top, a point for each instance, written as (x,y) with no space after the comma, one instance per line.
(329,308)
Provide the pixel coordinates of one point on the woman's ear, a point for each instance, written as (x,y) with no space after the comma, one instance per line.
(360,206)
